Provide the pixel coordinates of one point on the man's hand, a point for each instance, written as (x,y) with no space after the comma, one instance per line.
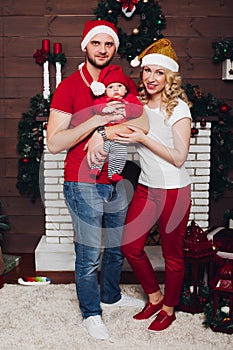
(95,150)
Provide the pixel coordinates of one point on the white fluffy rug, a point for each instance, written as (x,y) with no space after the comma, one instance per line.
(48,317)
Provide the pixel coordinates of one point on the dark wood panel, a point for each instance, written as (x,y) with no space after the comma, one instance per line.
(2,128)
(219,88)
(23,87)
(21,243)
(215,27)
(26,26)
(11,127)
(18,68)
(196,8)
(2,169)
(199,69)
(13,108)
(8,147)
(27,224)
(70,45)
(217,210)
(22,206)
(8,187)
(25,7)
(1,43)
(11,167)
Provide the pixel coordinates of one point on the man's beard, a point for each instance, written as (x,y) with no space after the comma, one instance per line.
(96,65)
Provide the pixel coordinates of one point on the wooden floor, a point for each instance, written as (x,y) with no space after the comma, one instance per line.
(27,268)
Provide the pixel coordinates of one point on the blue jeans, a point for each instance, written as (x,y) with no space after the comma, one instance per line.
(98,213)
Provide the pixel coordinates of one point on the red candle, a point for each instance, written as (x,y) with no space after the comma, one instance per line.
(46,45)
(56,48)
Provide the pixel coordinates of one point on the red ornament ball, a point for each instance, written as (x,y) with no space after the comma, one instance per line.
(224,108)
(194,131)
(25,160)
(203,123)
(45,126)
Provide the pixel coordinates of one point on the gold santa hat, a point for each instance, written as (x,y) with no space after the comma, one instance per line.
(159,53)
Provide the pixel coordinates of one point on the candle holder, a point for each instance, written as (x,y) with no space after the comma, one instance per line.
(46,88)
(57,50)
(227,69)
(46,45)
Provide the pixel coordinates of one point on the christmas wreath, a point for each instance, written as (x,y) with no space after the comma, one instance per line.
(152,21)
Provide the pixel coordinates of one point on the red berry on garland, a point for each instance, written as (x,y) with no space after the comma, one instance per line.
(224,108)
(203,123)
(194,131)
(25,160)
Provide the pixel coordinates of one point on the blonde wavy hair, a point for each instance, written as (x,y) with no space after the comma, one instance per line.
(170,94)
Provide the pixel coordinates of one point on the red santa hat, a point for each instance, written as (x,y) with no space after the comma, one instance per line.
(110,74)
(94,27)
(113,74)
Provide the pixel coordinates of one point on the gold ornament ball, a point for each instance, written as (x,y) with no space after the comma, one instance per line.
(226,320)
(135,31)
(109,11)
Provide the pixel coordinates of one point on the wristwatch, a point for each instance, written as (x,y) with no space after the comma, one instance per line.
(101,131)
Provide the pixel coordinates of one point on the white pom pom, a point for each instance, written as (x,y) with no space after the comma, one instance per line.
(135,62)
(97,88)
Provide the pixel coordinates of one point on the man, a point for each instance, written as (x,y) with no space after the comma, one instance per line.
(96,205)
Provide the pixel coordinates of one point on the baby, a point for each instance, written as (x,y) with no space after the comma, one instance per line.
(116,101)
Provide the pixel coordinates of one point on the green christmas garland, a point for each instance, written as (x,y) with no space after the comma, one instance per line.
(152,21)
(223,50)
(221,136)
(30,147)
(187,296)
(220,323)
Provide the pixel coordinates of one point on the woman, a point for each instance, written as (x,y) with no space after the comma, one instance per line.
(163,191)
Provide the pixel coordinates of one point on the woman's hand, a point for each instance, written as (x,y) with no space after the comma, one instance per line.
(95,149)
(135,135)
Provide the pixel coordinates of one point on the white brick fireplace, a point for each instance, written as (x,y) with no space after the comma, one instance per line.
(55,251)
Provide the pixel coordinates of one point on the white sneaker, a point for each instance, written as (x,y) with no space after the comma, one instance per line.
(95,327)
(126,301)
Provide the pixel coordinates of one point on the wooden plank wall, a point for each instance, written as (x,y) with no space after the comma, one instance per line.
(192,25)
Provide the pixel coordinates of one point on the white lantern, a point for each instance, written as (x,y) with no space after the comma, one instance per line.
(227,70)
